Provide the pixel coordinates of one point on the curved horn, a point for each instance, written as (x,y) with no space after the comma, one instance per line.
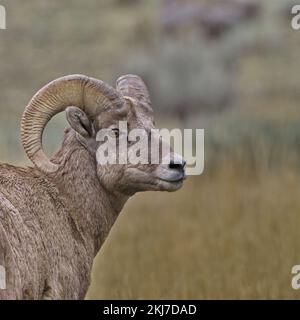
(134,87)
(86,93)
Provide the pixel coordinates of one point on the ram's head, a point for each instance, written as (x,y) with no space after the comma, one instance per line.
(94,107)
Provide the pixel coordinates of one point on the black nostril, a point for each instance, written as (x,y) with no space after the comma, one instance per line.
(177,166)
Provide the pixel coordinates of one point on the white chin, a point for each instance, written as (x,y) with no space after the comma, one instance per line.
(169,185)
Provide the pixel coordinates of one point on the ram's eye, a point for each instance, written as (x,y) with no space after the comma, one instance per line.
(116,132)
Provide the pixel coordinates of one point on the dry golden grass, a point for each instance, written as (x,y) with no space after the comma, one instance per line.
(224,235)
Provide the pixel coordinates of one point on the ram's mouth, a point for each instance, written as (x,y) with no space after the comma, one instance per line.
(168,180)
(181,178)
(170,175)
(173,182)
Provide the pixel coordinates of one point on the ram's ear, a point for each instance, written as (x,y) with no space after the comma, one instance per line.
(79,121)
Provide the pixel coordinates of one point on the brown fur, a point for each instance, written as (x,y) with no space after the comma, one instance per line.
(53,222)
(52,226)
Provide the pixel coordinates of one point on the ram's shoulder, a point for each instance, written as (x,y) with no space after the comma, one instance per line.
(18,177)
(8,170)
(26,186)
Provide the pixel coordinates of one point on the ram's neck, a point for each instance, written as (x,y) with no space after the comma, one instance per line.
(92,209)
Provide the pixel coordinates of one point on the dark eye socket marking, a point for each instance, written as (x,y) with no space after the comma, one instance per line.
(116,132)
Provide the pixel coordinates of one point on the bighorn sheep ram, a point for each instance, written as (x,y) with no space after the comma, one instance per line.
(55,216)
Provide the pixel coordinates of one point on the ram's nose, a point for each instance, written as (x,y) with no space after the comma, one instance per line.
(178,165)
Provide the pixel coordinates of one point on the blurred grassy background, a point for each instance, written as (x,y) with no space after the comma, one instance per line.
(232,232)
